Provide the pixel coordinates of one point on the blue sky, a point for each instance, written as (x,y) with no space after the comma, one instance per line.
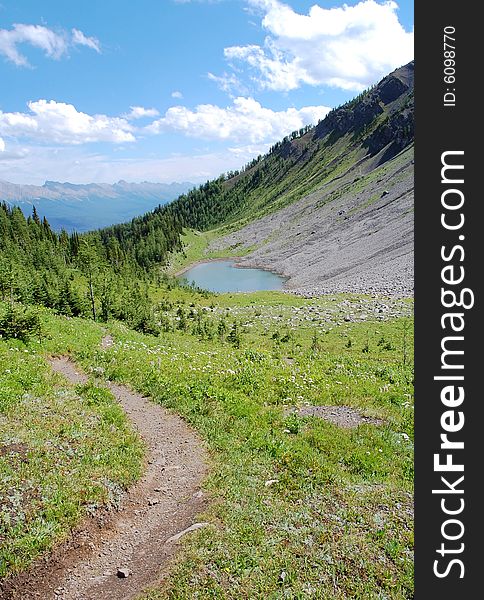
(178,90)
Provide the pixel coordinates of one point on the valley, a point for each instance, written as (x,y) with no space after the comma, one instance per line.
(339,216)
(300,399)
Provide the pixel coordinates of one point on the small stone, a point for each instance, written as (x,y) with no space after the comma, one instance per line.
(153,501)
(270,482)
(123,572)
(175,538)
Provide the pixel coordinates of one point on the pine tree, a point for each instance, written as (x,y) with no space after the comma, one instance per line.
(234,336)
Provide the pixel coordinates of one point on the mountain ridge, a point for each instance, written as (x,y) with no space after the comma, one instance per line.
(331,209)
(83,207)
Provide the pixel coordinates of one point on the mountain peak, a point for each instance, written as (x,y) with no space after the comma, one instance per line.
(388,98)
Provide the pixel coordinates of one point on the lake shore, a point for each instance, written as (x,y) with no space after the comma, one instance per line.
(315,289)
(229,276)
(205,260)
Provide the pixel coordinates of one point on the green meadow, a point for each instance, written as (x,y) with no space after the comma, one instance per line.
(299,507)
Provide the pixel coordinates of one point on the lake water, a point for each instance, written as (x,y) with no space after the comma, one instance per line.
(223,276)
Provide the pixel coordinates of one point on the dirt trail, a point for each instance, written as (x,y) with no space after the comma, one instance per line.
(142,535)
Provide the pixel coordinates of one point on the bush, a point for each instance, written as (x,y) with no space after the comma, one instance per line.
(20,323)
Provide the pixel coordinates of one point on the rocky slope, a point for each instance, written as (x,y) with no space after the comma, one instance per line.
(353,231)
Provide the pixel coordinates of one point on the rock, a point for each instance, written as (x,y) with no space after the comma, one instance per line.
(194,527)
(123,572)
(269,482)
(153,501)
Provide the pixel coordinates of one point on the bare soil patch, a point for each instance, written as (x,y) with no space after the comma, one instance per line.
(343,416)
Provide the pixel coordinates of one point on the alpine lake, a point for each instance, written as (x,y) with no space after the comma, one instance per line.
(223,276)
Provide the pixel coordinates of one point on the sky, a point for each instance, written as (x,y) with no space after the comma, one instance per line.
(178,90)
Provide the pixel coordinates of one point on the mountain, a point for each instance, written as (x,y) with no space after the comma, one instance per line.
(346,196)
(330,206)
(86,207)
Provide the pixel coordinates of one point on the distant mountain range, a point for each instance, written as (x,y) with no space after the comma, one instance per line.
(90,206)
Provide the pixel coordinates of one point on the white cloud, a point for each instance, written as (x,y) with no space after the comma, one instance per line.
(76,165)
(51,121)
(11,154)
(176,94)
(78,38)
(2,145)
(138,112)
(245,121)
(229,83)
(53,44)
(349,47)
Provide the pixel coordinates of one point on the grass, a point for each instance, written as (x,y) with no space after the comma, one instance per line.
(64,451)
(195,248)
(300,508)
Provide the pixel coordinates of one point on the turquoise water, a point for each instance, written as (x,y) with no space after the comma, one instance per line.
(223,276)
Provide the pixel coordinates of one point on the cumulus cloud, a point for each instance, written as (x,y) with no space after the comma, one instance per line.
(245,121)
(139,112)
(53,44)
(176,94)
(2,145)
(9,155)
(349,47)
(51,121)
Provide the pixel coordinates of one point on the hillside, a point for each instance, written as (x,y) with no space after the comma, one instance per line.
(354,234)
(86,207)
(330,206)
(297,504)
(346,222)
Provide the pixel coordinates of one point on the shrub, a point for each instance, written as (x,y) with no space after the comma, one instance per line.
(19,322)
